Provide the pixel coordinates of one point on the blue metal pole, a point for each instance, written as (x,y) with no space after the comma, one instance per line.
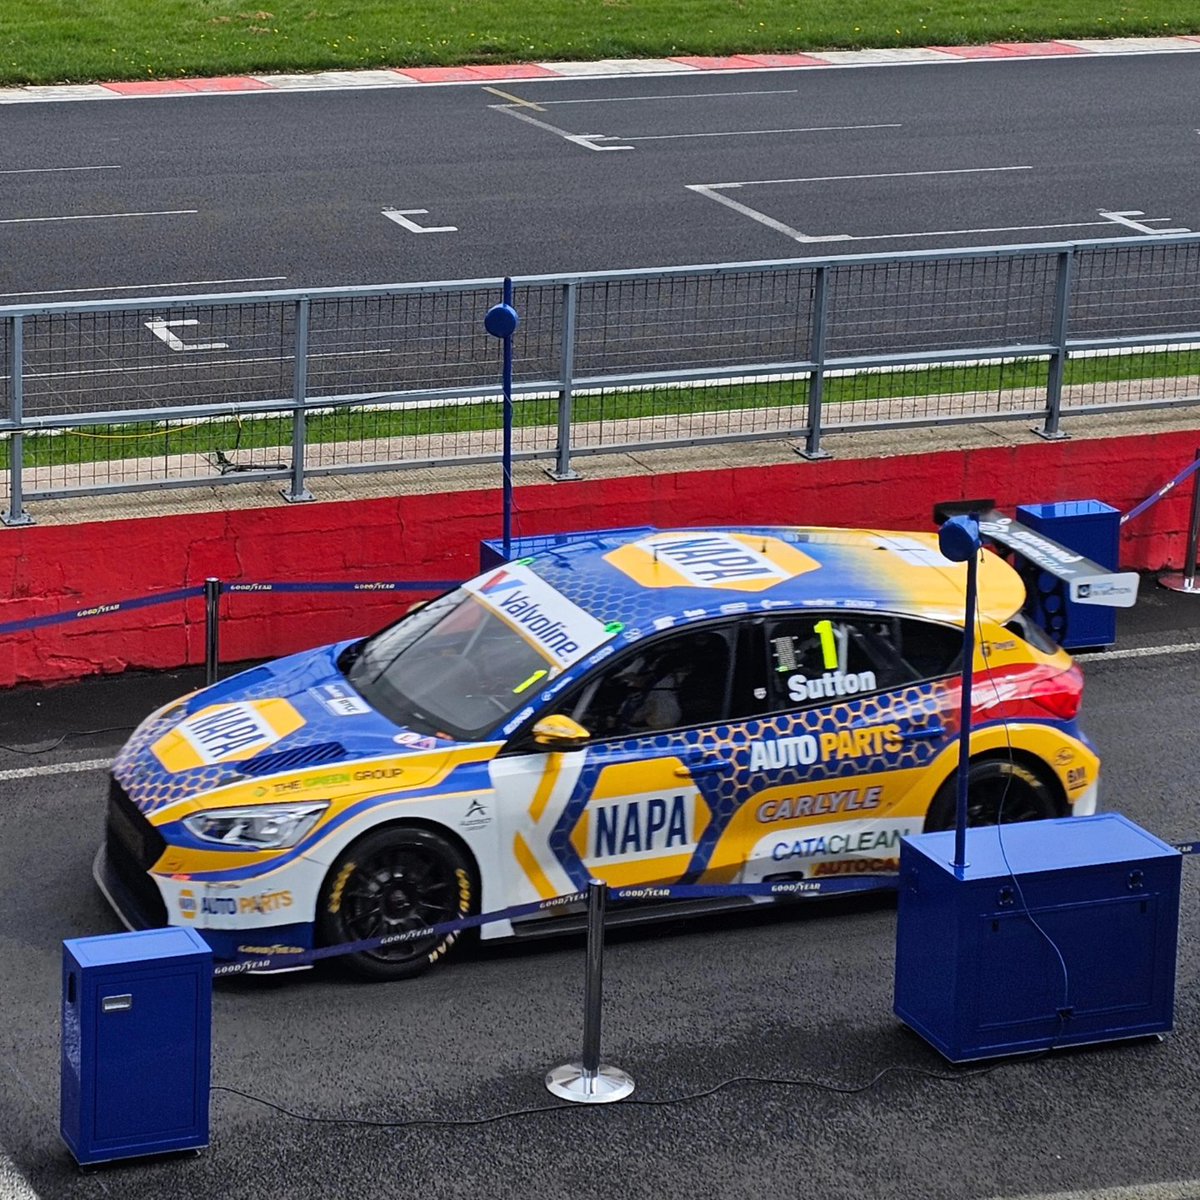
(508,427)
(964,729)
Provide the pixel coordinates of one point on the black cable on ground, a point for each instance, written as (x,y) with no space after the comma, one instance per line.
(54,745)
(446,1122)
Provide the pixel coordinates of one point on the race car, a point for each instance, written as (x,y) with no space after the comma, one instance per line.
(641,707)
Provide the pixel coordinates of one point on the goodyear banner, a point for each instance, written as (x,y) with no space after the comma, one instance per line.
(100,610)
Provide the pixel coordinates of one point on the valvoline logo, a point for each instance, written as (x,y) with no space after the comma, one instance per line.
(562,631)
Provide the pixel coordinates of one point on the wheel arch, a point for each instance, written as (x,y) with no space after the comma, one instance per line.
(443,831)
(1018,757)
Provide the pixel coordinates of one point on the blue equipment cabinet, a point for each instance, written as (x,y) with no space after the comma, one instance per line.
(136,1039)
(1092,529)
(977,978)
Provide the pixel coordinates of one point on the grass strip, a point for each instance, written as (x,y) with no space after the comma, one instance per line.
(52,41)
(236,441)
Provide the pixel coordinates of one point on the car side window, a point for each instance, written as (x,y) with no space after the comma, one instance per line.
(819,657)
(669,683)
(822,657)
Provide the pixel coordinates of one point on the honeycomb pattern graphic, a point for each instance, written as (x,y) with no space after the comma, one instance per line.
(726,791)
(584,577)
(151,787)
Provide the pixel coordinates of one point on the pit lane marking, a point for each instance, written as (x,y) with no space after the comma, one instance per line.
(515,99)
(103,764)
(12,1182)
(166,212)
(136,287)
(65,768)
(1181,1189)
(56,170)
(1140,652)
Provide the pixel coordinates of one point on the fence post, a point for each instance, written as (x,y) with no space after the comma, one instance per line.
(296,492)
(562,463)
(212,629)
(816,381)
(1058,358)
(16,514)
(590,1081)
(1186,582)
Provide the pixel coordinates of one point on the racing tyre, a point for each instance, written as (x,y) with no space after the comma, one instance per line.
(395,880)
(996,788)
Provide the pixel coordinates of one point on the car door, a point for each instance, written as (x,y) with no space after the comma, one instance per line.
(855,705)
(633,805)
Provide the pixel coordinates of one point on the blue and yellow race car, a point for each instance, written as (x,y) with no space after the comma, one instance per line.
(643,707)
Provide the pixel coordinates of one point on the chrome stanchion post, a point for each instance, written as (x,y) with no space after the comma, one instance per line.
(1186,582)
(590,1081)
(212,629)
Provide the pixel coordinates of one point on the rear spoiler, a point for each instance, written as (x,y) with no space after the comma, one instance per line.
(1087,582)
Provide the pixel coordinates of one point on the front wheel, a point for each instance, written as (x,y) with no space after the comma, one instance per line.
(997,791)
(395,880)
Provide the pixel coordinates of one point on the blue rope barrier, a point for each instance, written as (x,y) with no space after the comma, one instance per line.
(805,887)
(408,585)
(100,610)
(1138,509)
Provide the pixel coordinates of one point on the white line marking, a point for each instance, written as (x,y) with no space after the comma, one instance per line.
(586,140)
(12,1182)
(1181,1189)
(666,137)
(680,96)
(515,99)
(162,331)
(1140,652)
(401,215)
(168,212)
(66,768)
(54,170)
(878,175)
(762,218)
(136,287)
(117,369)
(713,192)
(1122,218)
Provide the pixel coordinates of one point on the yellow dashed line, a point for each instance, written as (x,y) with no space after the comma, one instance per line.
(515,99)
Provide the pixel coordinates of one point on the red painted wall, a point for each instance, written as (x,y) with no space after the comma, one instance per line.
(53,568)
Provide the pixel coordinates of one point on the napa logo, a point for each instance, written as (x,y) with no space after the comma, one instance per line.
(643,827)
(187,904)
(226,732)
(560,630)
(643,823)
(731,561)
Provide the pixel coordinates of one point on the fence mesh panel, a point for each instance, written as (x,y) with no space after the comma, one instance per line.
(409,376)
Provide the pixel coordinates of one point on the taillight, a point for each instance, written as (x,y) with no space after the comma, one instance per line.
(1060,693)
(1013,693)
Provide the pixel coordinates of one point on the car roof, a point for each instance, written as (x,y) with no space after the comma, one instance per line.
(648,578)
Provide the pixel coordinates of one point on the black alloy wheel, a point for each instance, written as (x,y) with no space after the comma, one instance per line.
(997,791)
(400,879)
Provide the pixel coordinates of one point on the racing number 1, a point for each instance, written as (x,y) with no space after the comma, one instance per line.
(824,630)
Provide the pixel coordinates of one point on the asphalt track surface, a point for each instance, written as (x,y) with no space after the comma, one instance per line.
(100,200)
(803,993)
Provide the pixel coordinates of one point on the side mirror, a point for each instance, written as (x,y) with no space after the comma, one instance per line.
(557,732)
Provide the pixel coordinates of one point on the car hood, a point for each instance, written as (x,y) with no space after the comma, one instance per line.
(292,717)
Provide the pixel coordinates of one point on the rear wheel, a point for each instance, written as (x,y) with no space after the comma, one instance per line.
(997,791)
(396,880)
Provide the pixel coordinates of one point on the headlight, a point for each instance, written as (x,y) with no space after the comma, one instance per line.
(269,827)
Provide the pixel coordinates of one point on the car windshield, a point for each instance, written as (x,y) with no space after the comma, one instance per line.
(453,668)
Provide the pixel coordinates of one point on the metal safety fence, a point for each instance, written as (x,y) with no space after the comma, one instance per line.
(126,396)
